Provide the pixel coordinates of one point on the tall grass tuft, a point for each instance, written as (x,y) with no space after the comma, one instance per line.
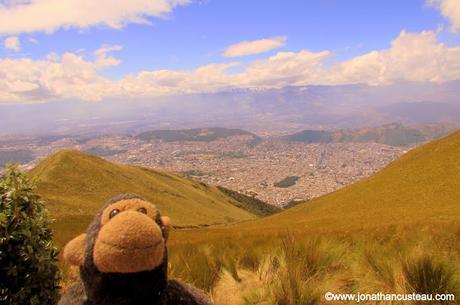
(250,259)
(197,267)
(429,276)
(384,273)
(301,267)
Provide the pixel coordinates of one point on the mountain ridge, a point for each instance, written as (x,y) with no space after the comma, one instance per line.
(194,134)
(75,184)
(394,134)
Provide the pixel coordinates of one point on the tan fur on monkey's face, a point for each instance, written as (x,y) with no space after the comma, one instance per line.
(130,238)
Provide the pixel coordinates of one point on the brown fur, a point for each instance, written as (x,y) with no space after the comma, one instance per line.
(130,242)
(74,251)
(123,259)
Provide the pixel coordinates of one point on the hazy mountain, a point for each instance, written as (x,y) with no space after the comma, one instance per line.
(274,110)
(423,112)
(197,134)
(390,134)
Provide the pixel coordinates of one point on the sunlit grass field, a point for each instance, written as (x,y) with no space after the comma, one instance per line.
(299,268)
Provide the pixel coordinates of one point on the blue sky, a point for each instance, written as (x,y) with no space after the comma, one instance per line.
(197,33)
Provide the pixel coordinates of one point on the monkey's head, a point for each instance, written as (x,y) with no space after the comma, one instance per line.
(127,236)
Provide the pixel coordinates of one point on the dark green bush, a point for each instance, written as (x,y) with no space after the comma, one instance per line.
(28,271)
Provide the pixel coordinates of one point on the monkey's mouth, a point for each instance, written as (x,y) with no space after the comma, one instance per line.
(132,247)
(127,257)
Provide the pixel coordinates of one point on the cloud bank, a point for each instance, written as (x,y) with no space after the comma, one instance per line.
(245,48)
(50,15)
(415,57)
(450,9)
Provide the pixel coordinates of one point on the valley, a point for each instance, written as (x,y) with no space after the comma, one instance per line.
(242,162)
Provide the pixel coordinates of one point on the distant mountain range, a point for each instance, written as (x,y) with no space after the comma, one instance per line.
(261,111)
(394,134)
(390,134)
(423,112)
(197,134)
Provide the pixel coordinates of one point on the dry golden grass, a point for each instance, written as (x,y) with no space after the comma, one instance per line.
(295,269)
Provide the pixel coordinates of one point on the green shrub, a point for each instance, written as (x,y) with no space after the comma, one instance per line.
(287,182)
(28,270)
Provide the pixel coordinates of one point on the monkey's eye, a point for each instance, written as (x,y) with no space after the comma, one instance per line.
(113,213)
(142,210)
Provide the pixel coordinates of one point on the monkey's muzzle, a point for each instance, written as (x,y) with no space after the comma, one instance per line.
(130,242)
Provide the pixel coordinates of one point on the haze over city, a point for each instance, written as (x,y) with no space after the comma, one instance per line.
(128,65)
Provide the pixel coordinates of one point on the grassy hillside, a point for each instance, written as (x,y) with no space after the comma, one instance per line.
(421,186)
(75,184)
(251,204)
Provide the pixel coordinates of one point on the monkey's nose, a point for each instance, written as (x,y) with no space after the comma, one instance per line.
(131,230)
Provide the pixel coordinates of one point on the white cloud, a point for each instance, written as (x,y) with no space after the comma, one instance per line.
(415,57)
(66,76)
(103,60)
(245,48)
(412,57)
(209,78)
(450,9)
(49,15)
(32,40)
(12,43)
(285,69)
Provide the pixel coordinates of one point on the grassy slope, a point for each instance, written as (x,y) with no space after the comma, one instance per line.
(75,185)
(251,204)
(422,187)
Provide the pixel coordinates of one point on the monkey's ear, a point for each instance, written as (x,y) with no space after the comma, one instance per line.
(167,225)
(74,251)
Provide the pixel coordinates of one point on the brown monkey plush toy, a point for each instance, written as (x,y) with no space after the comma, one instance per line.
(123,259)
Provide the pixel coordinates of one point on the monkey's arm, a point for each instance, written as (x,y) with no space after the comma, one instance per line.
(180,293)
(74,295)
